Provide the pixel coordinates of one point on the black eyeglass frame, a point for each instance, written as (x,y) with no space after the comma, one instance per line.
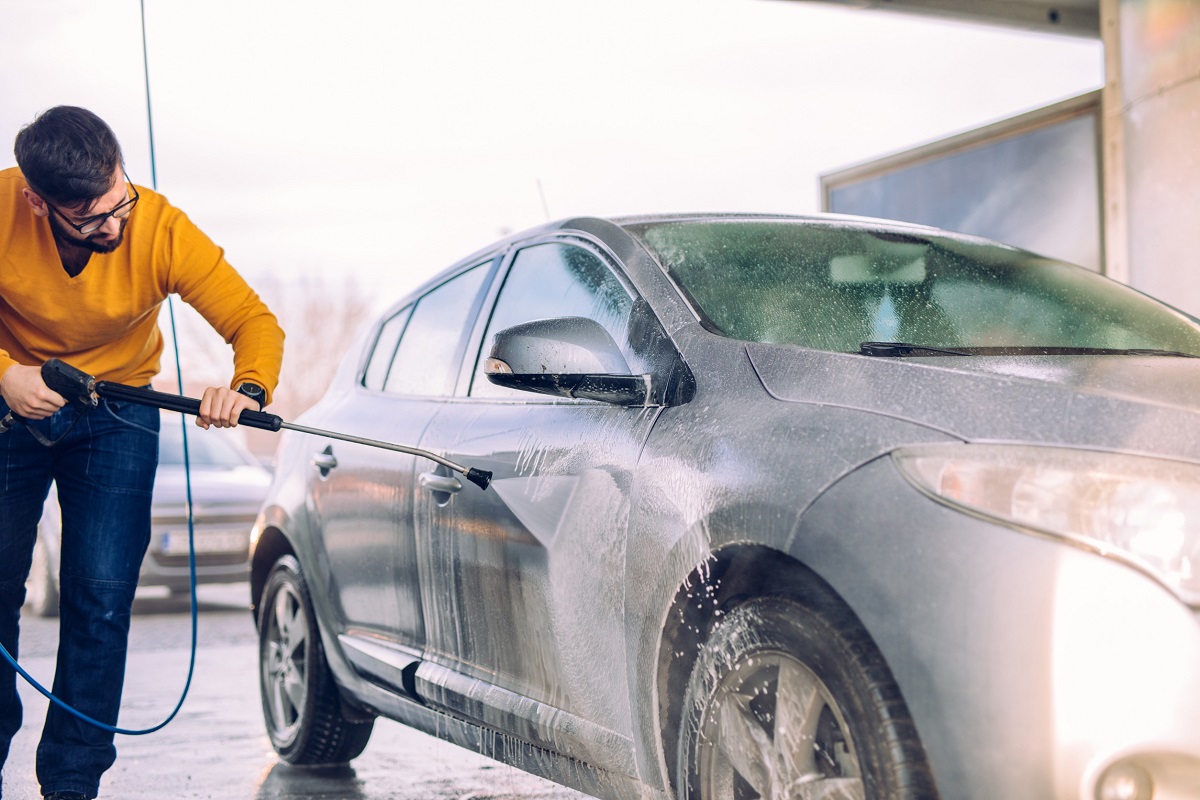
(94,224)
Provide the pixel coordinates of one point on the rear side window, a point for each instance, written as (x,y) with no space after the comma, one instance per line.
(385,350)
(428,353)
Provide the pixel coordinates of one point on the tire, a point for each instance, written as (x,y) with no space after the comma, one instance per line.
(301,705)
(41,589)
(793,700)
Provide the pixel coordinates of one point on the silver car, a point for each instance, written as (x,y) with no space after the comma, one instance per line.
(228,485)
(781,508)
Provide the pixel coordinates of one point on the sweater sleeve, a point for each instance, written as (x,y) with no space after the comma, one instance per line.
(198,272)
(6,361)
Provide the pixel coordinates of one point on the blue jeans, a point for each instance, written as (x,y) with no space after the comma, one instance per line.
(103,462)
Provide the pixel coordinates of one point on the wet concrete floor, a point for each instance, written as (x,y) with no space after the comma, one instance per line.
(216,746)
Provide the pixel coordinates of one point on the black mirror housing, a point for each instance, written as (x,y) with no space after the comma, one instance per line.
(620,390)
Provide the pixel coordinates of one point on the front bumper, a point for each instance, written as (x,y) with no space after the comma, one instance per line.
(1126,685)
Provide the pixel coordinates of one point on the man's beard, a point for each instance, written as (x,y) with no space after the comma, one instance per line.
(62,236)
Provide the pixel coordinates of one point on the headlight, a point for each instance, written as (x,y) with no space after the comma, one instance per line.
(1144,511)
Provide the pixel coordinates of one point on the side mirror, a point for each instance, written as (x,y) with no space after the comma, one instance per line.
(567,357)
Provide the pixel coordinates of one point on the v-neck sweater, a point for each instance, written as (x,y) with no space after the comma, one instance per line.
(104,320)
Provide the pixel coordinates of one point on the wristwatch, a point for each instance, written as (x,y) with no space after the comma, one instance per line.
(254,392)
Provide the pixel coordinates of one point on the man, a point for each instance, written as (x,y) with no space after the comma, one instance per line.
(86,260)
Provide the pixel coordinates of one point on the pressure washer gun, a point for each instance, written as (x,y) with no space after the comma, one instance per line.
(77,388)
(84,392)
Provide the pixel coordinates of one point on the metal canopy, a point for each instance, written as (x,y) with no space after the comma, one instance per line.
(1067,17)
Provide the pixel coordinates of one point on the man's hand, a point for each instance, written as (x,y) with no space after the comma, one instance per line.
(221,407)
(27,394)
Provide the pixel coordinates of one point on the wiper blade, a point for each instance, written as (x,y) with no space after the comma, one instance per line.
(900,349)
(1152,352)
(897,349)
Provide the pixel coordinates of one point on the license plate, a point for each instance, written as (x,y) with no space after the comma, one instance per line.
(175,543)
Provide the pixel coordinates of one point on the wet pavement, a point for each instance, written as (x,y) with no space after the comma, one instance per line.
(216,747)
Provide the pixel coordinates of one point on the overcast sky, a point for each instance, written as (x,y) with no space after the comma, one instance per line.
(383,140)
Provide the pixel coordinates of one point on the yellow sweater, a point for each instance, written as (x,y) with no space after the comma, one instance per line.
(105,320)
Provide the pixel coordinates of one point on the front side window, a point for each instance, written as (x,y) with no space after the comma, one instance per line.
(428,354)
(833,286)
(548,281)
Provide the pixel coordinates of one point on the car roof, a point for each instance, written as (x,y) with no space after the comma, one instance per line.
(596,225)
(612,229)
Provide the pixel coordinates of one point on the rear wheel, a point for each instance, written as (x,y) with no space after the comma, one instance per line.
(300,702)
(788,700)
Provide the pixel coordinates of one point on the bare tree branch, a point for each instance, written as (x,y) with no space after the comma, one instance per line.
(321,321)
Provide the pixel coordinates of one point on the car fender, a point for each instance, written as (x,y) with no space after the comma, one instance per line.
(670,561)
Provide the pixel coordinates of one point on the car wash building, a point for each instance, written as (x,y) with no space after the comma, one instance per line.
(1109,179)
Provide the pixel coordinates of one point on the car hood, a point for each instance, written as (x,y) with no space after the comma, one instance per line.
(1137,403)
(214,492)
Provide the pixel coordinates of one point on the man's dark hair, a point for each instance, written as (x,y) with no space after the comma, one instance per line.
(68,155)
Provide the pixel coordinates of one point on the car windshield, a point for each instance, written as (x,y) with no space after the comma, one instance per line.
(834,285)
(206,449)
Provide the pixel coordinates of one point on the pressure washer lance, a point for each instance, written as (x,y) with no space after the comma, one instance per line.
(83,391)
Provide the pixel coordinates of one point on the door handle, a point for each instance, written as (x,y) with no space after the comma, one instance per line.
(325,460)
(439,483)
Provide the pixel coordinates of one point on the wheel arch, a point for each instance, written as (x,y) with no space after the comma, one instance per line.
(271,545)
(731,576)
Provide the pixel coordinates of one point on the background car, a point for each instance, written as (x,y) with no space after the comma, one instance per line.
(781,507)
(228,486)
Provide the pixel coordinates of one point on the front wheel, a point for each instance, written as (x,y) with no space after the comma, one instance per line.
(792,700)
(300,702)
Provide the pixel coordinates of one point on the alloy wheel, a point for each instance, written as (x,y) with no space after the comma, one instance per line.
(774,731)
(285,662)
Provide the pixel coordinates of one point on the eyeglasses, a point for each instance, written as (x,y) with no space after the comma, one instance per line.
(95,223)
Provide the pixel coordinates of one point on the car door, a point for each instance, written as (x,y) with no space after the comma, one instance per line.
(523,584)
(362,496)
